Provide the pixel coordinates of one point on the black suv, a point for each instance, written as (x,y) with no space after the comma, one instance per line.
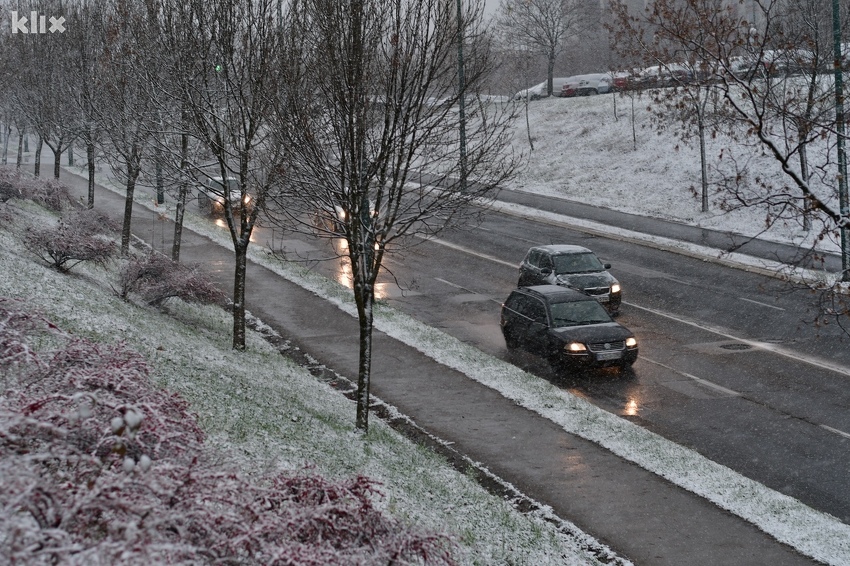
(574,267)
(568,328)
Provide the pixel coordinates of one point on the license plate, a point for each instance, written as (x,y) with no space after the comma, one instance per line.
(602,356)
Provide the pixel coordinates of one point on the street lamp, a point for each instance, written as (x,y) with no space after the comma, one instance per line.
(461,87)
(842,158)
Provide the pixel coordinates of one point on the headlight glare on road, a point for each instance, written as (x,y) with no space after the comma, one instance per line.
(575,347)
(631,342)
(615,288)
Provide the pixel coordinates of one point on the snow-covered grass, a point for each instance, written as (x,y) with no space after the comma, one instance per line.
(266,413)
(584,151)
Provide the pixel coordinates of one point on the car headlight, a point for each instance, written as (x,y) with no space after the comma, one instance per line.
(631,342)
(575,347)
(615,288)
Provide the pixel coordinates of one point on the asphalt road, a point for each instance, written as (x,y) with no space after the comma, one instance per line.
(728,364)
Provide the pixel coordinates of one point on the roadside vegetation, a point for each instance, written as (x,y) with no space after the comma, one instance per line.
(133,432)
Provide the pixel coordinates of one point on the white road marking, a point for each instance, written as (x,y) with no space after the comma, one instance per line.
(450,284)
(774,348)
(835,430)
(462,288)
(699,380)
(762,304)
(472,252)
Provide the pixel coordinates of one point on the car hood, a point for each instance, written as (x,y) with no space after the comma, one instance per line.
(593,333)
(586,280)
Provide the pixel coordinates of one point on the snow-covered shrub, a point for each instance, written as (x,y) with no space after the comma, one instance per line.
(76,237)
(155,278)
(49,193)
(100,467)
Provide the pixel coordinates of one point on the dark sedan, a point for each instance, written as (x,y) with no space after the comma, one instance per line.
(568,328)
(575,267)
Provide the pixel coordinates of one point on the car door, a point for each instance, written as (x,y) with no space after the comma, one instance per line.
(537,329)
(528,268)
(514,321)
(533,270)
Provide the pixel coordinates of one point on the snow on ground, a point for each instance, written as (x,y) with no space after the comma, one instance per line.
(583,153)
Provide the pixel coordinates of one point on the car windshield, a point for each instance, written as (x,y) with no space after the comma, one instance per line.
(577,263)
(217,186)
(577,313)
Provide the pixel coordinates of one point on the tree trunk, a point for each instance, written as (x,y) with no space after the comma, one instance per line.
(37,166)
(6,144)
(21,135)
(702,159)
(71,154)
(550,72)
(528,125)
(804,175)
(241,252)
(90,165)
(57,159)
(181,197)
(132,174)
(365,299)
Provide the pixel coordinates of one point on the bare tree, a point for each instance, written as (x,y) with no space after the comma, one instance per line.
(44,90)
(670,35)
(227,77)
(125,112)
(777,99)
(371,118)
(543,25)
(87,43)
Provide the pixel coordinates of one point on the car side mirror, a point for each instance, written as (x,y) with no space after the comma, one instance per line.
(607,266)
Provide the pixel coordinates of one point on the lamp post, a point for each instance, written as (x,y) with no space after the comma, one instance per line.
(842,158)
(461,88)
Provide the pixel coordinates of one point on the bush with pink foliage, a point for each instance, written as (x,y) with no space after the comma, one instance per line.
(156,278)
(49,193)
(97,466)
(77,237)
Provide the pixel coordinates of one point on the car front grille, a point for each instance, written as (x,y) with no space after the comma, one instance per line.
(612,346)
(597,290)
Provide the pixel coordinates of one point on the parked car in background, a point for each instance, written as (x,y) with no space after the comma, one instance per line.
(571,266)
(660,76)
(539,91)
(587,85)
(567,328)
(212,195)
